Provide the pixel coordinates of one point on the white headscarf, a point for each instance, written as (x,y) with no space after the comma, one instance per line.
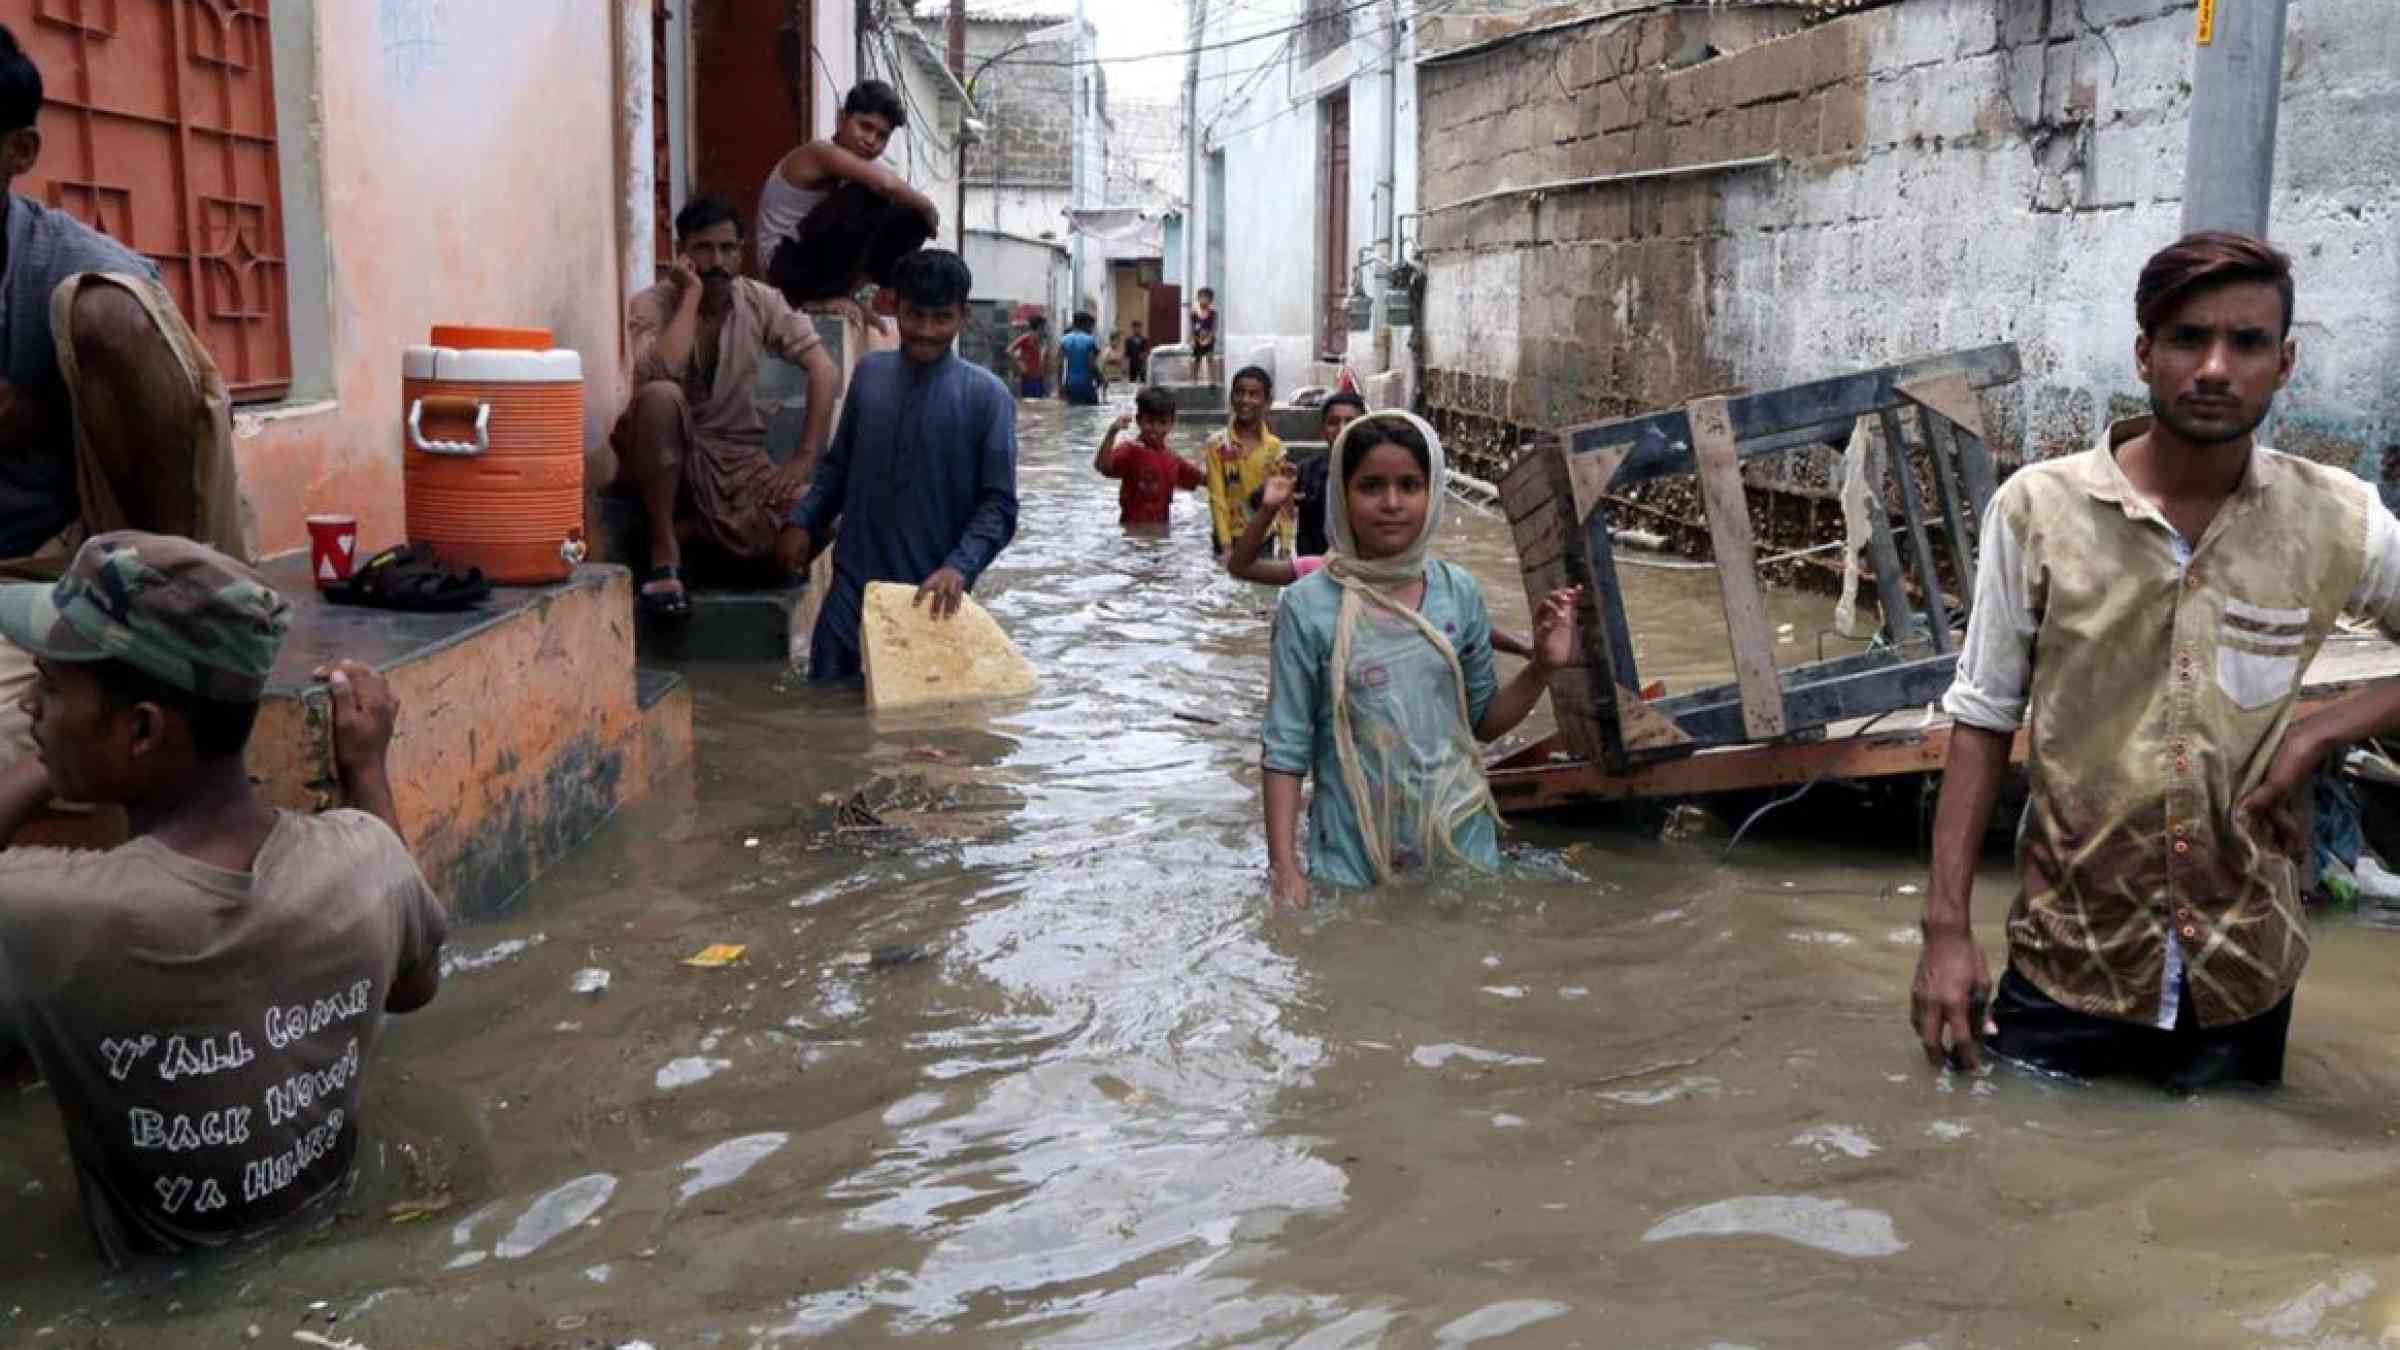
(1460,795)
(1409,564)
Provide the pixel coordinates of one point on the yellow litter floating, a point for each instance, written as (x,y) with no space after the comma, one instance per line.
(915,660)
(718,955)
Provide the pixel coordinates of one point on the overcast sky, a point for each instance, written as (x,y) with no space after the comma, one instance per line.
(1137,28)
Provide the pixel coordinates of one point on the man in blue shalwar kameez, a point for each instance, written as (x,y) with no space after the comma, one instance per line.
(922,472)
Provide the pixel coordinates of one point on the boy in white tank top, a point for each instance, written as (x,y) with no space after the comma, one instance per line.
(830,218)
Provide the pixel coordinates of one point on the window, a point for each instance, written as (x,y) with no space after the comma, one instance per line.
(159,130)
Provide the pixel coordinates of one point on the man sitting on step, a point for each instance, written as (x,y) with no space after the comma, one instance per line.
(692,445)
(112,416)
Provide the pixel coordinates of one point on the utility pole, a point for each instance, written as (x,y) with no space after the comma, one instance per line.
(1080,126)
(1194,247)
(2237,89)
(958,72)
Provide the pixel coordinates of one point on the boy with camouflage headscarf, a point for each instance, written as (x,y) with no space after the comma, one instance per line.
(203,999)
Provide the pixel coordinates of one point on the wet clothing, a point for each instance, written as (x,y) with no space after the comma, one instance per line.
(735,494)
(1403,697)
(851,234)
(1236,471)
(1137,357)
(921,475)
(1148,477)
(1079,368)
(204,1031)
(2159,677)
(1204,332)
(2039,1032)
(1027,352)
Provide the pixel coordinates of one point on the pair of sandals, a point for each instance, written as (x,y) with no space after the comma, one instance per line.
(407,578)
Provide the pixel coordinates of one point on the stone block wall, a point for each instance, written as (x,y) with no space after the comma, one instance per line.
(1027,100)
(1952,173)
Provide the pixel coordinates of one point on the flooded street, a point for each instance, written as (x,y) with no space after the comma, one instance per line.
(1052,1073)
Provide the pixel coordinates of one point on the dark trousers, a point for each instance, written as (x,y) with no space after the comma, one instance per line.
(2039,1032)
(856,234)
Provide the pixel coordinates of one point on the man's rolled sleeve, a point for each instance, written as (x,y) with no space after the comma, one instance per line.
(1995,664)
(2378,596)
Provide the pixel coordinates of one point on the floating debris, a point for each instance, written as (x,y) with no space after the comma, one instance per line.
(590,980)
(716,956)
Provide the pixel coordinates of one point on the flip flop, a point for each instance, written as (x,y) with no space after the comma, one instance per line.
(406,578)
(663,604)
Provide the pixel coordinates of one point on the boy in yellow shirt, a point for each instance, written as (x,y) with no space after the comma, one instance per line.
(1240,459)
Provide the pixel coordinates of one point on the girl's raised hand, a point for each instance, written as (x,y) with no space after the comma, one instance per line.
(1554,627)
(1277,491)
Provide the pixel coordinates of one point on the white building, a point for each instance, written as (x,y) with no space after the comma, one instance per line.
(1302,137)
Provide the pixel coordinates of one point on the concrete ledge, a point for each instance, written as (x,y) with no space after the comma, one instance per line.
(524,724)
(1289,424)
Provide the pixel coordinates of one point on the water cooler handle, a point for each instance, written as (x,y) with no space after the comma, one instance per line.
(450,407)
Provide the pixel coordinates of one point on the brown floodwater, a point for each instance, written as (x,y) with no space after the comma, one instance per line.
(1627,1095)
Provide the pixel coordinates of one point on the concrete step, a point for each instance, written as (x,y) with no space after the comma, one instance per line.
(524,724)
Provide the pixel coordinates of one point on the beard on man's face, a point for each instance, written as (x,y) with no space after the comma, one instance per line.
(2208,428)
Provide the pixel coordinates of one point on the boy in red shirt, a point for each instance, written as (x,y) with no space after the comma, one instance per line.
(1030,351)
(1148,474)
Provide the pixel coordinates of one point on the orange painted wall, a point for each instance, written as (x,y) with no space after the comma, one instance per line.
(469,153)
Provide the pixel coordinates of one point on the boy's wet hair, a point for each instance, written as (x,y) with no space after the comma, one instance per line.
(1258,373)
(1344,399)
(705,212)
(1153,401)
(1207,294)
(1084,322)
(877,99)
(933,278)
(2204,261)
(20,85)
(1372,432)
(1037,322)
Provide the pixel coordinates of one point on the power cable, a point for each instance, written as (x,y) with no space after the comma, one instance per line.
(1244,40)
(1798,792)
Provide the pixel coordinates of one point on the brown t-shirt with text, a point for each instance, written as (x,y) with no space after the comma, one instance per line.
(202,1030)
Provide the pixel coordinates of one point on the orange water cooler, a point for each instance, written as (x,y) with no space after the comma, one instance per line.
(493,452)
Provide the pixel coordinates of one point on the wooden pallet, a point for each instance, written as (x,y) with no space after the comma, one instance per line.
(1557,498)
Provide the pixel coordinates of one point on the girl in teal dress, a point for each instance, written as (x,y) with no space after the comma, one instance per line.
(1383,684)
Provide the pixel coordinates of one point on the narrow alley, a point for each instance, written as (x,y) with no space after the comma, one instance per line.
(1055,1074)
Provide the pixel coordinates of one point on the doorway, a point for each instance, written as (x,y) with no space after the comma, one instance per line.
(1333,189)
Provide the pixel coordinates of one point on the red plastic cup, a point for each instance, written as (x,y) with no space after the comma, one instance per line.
(332,547)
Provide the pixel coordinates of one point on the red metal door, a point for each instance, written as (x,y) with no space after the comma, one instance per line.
(1165,320)
(753,64)
(158,129)
(1333,323)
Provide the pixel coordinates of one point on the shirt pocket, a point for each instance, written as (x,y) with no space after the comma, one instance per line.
(2258,653)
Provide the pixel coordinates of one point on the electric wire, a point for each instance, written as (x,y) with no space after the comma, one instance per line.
(1798,792)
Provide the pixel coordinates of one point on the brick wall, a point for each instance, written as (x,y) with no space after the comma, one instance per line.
(1955,172)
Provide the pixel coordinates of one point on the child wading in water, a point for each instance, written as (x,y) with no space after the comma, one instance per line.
(1240,459)
(1382,682)
(1148,474)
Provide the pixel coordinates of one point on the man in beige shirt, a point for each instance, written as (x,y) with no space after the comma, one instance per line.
(692,445)
(203,1000)
(2146,609)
